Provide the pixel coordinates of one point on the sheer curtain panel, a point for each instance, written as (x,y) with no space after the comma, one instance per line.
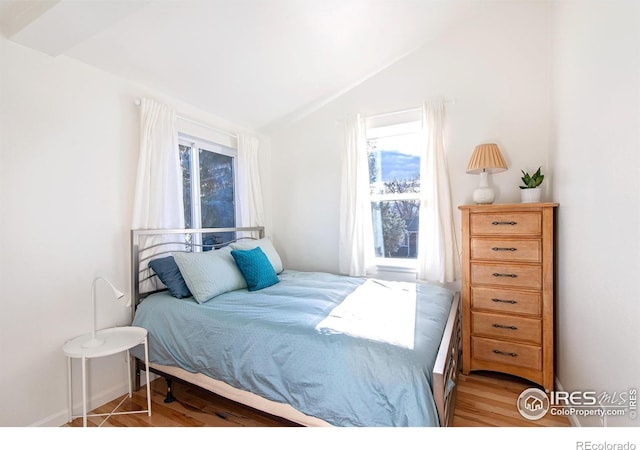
(251,210)
(356,232)
(158,201)
(438,258)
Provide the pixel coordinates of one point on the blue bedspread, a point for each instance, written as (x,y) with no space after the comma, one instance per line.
(280,344)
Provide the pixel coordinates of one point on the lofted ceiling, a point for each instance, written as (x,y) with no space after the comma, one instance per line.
(258,63)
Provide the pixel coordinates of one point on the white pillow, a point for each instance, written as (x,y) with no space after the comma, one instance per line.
(267,247)
(209,274)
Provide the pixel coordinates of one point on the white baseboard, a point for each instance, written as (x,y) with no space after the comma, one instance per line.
(60,418)
(573,419)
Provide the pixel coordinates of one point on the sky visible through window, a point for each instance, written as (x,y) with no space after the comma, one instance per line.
(394,173)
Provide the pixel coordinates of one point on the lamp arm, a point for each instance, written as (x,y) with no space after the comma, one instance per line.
(93,309)
(116,292)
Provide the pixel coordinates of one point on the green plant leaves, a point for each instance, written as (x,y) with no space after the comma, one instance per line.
(532,181)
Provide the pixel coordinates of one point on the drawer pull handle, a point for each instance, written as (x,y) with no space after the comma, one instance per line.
(508,275)
(504,249)
(508,327)
(504,223)
(498,300)
(500,352)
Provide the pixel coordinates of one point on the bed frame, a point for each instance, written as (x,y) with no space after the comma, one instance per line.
(445,371)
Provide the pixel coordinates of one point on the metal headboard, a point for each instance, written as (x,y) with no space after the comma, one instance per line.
(151,244)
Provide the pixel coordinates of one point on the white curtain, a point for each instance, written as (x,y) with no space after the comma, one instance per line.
(158,195)
(356,231)
(158,202)
(251,210)
(438,258)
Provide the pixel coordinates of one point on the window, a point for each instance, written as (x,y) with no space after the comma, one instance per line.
(394,180)
(208,174)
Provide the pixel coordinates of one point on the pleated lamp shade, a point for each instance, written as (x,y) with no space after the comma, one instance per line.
(486,158)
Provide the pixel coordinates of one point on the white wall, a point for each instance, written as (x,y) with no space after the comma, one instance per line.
(497,68)
(68,157)
(596,165)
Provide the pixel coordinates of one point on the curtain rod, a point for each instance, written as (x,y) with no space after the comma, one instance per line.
(393,113)
(201,124)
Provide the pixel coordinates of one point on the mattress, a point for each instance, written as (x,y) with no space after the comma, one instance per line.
(349,351)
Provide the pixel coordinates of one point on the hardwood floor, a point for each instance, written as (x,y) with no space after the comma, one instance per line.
(483,400)
(489,400)
(192,407)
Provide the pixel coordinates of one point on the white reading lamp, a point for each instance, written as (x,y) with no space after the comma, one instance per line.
(486,159)
(94,341)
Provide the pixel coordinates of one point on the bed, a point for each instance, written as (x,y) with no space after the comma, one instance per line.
(317,349)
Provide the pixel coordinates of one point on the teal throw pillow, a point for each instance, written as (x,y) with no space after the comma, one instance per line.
(256,268)
(266,246)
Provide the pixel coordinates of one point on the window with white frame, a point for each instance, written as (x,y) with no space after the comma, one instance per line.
(208,174)
(394,180)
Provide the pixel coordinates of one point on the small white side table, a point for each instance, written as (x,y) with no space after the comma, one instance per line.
(115,340)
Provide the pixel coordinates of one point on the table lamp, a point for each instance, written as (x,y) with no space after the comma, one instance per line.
(486,159)
(94,341)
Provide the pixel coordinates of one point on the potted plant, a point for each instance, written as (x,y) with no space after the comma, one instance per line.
(530,191)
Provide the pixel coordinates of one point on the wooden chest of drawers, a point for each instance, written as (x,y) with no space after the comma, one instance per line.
(507,290)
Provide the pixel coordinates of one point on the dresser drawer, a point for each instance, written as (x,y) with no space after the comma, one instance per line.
(516,223)
(522,276)
(519,250)
(506,327)
(522,355)
(506,300)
